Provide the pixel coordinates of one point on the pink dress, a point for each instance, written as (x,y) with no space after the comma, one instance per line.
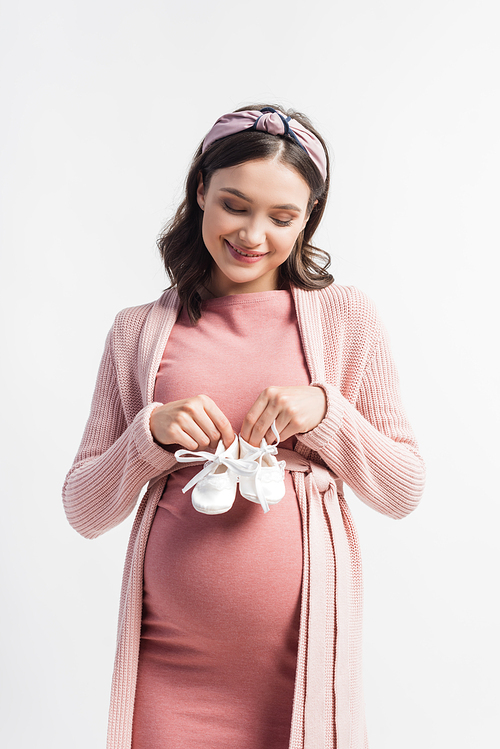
(221,596)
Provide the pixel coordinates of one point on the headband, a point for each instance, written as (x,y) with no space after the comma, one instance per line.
(271,121)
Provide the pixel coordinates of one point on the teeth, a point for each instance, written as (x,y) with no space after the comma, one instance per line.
(245,254)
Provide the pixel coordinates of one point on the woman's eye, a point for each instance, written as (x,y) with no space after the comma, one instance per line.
(231,208)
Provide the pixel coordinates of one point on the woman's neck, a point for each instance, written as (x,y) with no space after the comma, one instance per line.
(214,289)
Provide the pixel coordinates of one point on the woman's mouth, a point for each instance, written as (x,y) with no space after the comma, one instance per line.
(245,256)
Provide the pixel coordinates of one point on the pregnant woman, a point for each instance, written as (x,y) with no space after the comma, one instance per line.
(240,620)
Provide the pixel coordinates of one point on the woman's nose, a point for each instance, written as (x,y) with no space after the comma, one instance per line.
(252,233)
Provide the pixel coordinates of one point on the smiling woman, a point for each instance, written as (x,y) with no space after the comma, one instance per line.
(253,214)
(242,628)
(237,141)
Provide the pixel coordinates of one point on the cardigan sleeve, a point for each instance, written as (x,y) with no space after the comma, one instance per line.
(370,445)
(114,461)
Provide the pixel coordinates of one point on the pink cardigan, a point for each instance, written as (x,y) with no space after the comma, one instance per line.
(364,440)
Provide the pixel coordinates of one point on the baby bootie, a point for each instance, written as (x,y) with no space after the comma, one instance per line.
(215,485)
(263,479)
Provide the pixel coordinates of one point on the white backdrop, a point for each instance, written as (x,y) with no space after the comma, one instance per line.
(103,105)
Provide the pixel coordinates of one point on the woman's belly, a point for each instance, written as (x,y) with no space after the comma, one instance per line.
(229,581)
(220,620)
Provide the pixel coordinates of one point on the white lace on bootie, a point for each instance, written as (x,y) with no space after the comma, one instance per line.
(264,478)
(215,485)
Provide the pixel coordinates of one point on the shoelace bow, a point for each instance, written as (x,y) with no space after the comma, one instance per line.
(255,461)
(213,462)
(251,465)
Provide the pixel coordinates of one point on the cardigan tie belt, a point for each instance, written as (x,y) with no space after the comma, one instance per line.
(327,644)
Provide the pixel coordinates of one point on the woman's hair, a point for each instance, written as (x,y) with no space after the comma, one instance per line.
(187,260)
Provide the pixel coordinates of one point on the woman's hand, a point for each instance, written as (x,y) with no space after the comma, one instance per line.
(195,423)
(295,409)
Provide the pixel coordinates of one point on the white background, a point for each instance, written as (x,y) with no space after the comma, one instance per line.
(103,104)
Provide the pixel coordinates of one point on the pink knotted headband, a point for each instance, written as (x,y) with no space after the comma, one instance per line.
(270,121)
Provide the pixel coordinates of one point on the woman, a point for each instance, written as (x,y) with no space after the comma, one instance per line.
(242,628)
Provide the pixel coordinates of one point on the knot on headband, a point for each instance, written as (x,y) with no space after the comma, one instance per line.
(271,121)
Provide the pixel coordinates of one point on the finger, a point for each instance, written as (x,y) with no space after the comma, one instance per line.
(282,427)
(197,418)
(290,429)
(206,431)
(200,427)
(262,426)
(184,423)
(220,421)
(185,440)
(275,404)
(252,416)
(184,430)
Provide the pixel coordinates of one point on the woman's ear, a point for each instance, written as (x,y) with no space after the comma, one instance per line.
(200,192)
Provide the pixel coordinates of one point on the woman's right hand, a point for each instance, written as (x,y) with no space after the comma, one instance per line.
(194,423)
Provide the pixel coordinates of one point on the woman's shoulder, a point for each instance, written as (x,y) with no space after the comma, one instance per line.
(346,305)
(133,319)
(347,297)
(137,332)
(136,329)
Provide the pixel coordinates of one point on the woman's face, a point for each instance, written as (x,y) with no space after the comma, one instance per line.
(253,213)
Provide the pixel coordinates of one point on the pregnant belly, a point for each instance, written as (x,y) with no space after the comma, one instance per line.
(221,583)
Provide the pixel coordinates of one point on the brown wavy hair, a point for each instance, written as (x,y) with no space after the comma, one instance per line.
(187,260)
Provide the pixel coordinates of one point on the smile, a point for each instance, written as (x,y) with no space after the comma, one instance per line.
(246,254)
(249,256)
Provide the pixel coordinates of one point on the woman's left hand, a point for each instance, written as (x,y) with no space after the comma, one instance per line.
(294,409)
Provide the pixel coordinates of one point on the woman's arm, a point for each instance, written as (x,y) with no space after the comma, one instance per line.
(371,446)
(114,460)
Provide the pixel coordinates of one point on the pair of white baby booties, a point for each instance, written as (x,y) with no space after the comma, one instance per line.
(260,476)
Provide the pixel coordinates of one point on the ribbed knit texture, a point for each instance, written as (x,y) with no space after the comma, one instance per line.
(364,440)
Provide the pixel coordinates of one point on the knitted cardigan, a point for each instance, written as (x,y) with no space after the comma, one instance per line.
(364,440)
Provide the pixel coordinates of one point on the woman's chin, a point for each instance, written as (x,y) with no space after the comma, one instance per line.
(225,284)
